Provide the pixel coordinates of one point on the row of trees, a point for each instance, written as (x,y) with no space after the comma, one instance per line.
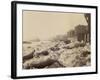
(82,32)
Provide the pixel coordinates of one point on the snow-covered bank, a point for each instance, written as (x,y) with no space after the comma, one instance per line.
(51,54)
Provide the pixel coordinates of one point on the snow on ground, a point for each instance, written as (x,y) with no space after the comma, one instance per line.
(54,54)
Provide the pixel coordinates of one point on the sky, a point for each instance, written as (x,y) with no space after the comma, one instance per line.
(45,25)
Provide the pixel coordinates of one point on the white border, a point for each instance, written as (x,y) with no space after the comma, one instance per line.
(36,72)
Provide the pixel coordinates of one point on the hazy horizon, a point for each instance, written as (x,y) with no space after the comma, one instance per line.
(45,25)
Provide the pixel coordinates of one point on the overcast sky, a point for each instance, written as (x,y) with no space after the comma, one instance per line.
(45,25)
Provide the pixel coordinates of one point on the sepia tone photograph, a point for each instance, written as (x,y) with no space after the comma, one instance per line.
(55,39)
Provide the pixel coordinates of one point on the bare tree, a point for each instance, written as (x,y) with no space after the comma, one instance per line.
(81,31)
(88,18)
